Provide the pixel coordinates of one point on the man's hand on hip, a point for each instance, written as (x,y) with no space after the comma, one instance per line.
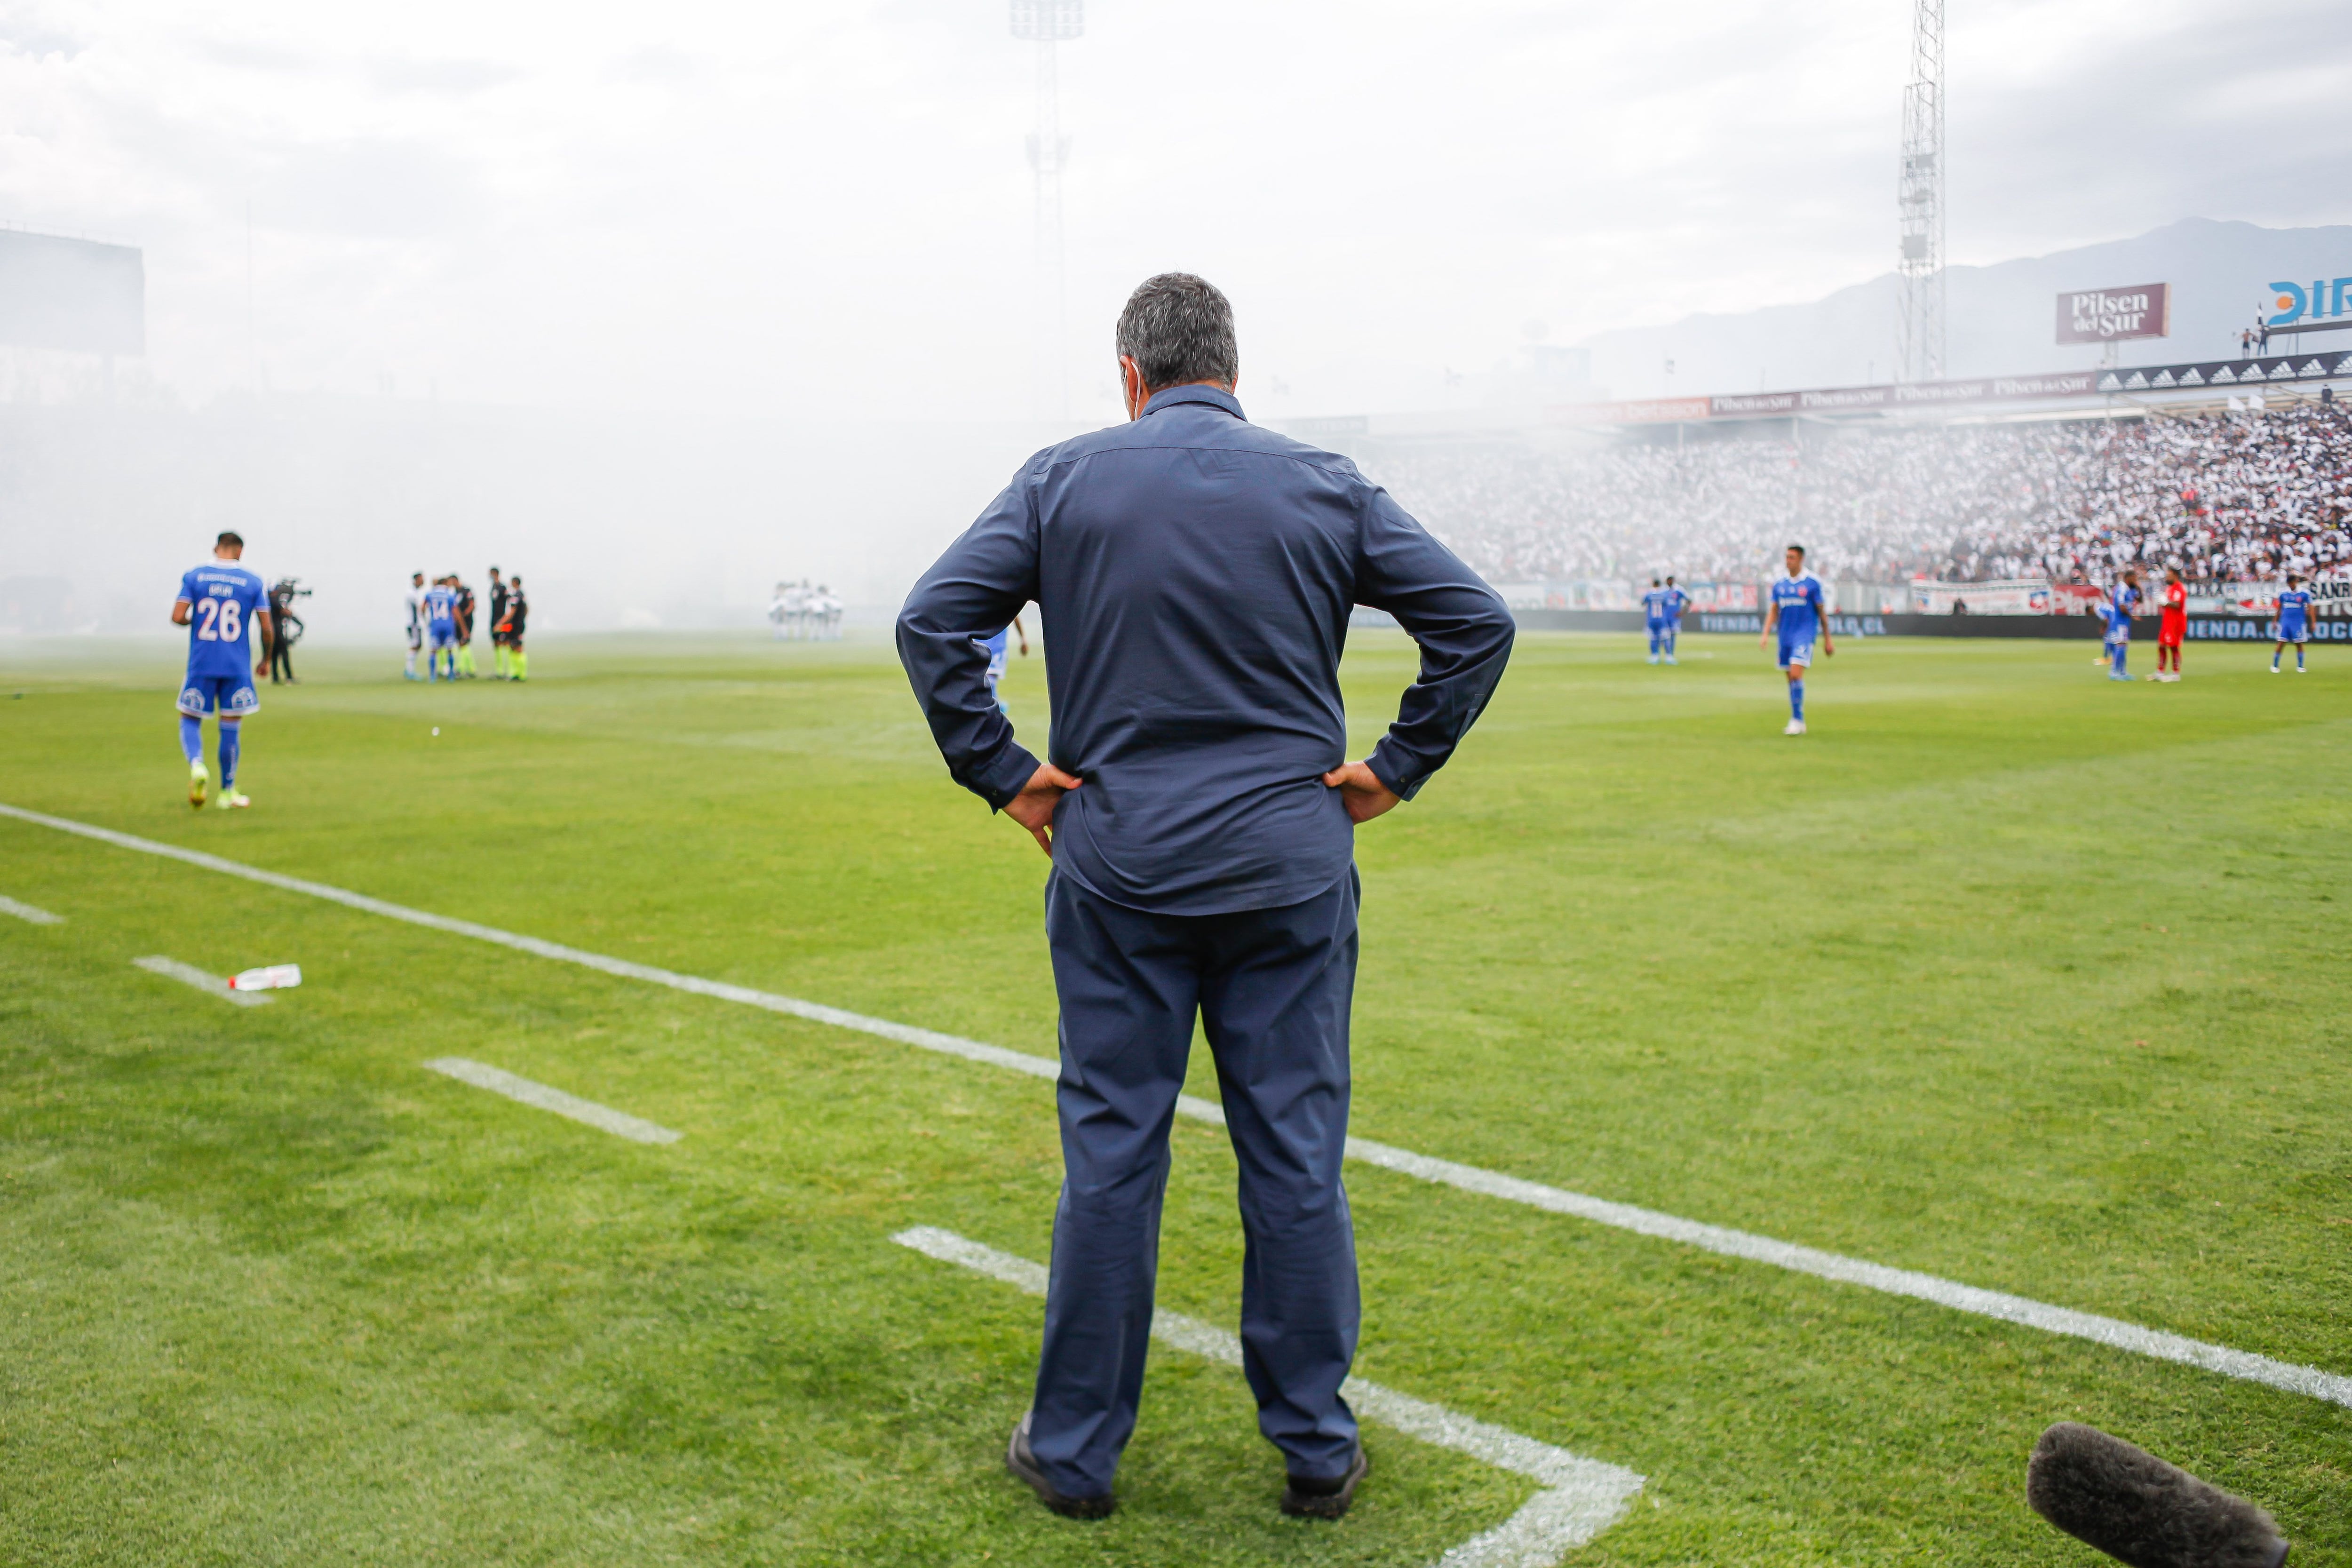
(1033,808)
(1360,790)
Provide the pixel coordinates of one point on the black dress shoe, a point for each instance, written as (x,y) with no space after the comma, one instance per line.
(1023,1465)
(1310,1498)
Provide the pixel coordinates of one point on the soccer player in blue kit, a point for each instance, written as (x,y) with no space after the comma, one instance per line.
(2293,622)
(1799,612)
(2121,604)
(1653,617)
(1672,606)
(441,629)
(217,601)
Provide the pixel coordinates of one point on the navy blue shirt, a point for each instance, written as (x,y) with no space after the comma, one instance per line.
(1196,574)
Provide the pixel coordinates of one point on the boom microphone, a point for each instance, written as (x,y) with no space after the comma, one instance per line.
(2139,1510)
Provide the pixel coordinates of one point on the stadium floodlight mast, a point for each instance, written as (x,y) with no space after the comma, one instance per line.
(1046,24)
(1919,324)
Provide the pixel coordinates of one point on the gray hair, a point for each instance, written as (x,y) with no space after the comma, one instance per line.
(1178,327)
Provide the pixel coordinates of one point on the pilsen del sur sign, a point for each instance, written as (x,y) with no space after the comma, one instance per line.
(2106,315)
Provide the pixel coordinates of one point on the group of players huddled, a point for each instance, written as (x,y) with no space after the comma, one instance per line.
(799,612)
(441,626)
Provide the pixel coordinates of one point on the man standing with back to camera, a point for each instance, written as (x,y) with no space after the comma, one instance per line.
(1196,574)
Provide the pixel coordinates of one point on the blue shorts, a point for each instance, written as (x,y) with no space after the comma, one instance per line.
(444,636)
(232,695)
(2294,631)
(1797,653)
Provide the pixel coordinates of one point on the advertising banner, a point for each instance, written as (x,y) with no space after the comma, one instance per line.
(2229,373)
(2107,315)
(1640,411)
(74,294)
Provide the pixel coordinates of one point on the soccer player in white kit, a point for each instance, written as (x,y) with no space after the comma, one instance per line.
(415,622)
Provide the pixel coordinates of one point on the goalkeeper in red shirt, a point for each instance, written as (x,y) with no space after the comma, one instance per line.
(2173,628)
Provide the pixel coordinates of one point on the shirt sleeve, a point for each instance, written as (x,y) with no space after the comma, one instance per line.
(978,585)
(1463,628)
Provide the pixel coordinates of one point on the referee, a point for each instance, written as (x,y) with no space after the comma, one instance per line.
(1195,574)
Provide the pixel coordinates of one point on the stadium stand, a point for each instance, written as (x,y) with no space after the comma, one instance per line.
(2222,496)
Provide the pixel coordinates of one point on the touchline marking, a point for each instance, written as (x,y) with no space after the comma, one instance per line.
(2113,1333)
(497,1080)
(189,974)
(1581,1497)
(9,906)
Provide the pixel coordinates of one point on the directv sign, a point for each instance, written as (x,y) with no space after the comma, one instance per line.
(2323,300)
(2109,315)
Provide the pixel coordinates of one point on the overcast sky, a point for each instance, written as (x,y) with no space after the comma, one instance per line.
(827,206)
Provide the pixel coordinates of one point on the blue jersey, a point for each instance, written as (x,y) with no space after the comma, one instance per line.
(1674,602)
(1802,605)
(2120,605)
(1654,605)
(223,598)
(2294,609)
(441,607)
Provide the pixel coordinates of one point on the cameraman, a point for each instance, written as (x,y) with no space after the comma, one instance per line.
(282,595)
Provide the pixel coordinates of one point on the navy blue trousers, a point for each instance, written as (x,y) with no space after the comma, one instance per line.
(1271,989)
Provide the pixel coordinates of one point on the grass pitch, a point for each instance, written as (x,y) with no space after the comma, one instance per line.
(2004,973)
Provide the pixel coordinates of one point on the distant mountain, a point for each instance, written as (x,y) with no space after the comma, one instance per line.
(2001,318)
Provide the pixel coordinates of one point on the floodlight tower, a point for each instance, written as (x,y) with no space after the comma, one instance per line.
(1047,22)
(1920,328)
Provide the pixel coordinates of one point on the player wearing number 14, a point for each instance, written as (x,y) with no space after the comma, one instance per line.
(218,601)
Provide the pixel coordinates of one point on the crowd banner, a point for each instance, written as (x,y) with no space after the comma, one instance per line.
(1619,594)
(2013,596)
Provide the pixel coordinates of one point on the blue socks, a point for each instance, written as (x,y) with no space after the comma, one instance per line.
(2123,653)
(229,750)
(1796,700)
(192,737)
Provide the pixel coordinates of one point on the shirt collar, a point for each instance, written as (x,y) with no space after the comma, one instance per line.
(1168,396)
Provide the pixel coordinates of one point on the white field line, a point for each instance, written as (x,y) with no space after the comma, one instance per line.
(189,974)
(497,1080)
(2111,1332)
(9,906)
(1581,1497)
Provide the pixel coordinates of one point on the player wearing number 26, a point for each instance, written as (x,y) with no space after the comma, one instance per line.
(218,601)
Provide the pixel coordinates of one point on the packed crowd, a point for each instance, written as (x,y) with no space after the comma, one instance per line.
(2222,496)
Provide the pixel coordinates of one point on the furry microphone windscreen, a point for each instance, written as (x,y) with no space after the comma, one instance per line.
(2139,1510)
